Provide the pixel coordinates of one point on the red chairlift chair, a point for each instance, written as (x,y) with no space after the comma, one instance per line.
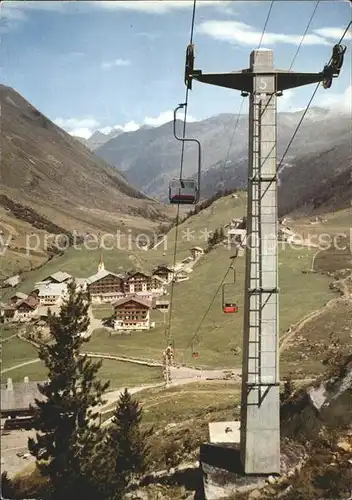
(229,307)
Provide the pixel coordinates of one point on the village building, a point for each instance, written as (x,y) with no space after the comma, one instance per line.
(237,223)
(12,281)
(26,309)
(23,310)
(142,295)
(7,313)
(18,403)
(285,234)
(139,282)
(50,293)
(164,272)
(181,276)
(237,238)
(17,297)
(136,281)
(156,285)
(105,286)
(43,312)
(196,252)
(132,313)
(58,277)
(161,305)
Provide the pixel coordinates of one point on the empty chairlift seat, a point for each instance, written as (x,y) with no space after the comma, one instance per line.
(230,308)
(183,191)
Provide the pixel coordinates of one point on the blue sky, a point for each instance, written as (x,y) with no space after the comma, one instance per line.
(96,65)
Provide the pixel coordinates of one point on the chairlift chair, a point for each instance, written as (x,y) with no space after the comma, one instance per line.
(195,355)
(334,68)
(328,75)
(185,191)
(229,307)
(338,53)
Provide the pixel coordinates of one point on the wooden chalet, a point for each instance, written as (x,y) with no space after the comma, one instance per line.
(12,281)
(164,272)
(140,282)
(105,286)
(7,313)
(136,281)
(161,305)
(50,293)
(26,309)
(132,313)
(59,277)
(17,297)
(18,403)
(196,252)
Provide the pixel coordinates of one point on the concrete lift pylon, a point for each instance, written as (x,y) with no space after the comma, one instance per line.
(260,405)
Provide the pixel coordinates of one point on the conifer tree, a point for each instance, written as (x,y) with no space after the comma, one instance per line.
(68,436)
(127,443)
(7,487)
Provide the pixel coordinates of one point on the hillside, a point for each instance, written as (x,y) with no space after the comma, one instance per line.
(310,310)
(150,157)
(319,182)
(218,335)
(50,181)
(308,184)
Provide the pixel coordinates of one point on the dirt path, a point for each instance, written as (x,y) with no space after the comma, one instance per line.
(5,339)
(295,329)
(25,363)
(94,323)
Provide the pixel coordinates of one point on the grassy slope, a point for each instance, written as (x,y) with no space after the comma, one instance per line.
(334,223)
(300,293)
(15,351)
(215,216)
(120,374)
(15,258)
(49,171)
(305,355)
(81,263)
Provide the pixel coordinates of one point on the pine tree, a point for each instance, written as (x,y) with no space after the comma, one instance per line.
(215,236)
(289,389)
(127,444)
(68,437)
(8,489)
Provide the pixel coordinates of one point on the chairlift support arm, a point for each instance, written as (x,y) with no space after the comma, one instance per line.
(243,80)
(183,139)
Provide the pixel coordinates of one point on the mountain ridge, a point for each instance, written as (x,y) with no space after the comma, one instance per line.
(151,158)
(51,181)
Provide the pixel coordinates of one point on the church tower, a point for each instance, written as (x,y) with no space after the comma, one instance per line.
(101,266)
